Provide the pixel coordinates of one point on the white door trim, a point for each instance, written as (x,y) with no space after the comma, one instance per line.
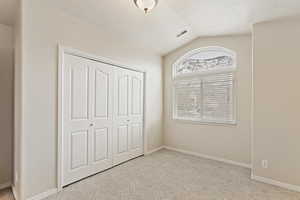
(62,50)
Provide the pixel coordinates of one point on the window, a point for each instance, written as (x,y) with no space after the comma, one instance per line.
(203,86)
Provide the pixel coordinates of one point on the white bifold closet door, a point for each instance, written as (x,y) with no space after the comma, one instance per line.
(128,115)
(102,117)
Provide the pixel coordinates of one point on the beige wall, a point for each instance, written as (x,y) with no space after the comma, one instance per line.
(44,28)
(221,141)
(6,103)
(276,100)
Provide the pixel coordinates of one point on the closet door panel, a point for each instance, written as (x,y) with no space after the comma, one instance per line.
(128,122)
(76,119)
(121,116)
(102,92)
(102,87)
(79,149)
(136,135)
(122,138)
(136,114)
(123,95)
(88,118)
(136,99)
(101,140)
(79,92)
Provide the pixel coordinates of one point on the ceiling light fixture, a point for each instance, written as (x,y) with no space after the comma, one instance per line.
(146,5)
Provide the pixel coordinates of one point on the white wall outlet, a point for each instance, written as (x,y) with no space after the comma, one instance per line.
(264,164)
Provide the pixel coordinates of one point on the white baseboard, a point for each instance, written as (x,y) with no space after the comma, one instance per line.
(5,185)
(44,194)
(276,183)
(210,157)
(154,150)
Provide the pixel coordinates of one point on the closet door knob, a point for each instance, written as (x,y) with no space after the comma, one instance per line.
(91,124)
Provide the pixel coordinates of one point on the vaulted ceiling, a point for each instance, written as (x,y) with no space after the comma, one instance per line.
(157,30)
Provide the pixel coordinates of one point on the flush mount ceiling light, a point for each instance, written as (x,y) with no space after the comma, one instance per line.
(146,5)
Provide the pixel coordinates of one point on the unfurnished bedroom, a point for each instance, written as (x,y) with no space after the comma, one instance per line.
(149,100)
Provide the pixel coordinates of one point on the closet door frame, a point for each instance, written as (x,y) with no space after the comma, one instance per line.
(62,51)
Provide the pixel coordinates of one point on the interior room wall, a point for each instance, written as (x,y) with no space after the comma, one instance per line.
(6,104)
(230,142)
(276,100)
(46,26)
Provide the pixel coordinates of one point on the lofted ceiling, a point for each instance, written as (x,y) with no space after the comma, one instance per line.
(157,30)
(7,11)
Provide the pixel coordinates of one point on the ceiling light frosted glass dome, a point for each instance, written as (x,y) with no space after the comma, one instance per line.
(146,5)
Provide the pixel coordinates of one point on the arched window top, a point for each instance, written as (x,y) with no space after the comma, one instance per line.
(205,60)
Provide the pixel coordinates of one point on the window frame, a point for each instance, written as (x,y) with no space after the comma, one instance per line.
(197,75)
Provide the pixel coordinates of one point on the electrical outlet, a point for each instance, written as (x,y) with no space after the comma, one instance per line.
(264,164)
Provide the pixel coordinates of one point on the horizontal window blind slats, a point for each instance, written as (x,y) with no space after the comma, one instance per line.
(188,102)
(209,98)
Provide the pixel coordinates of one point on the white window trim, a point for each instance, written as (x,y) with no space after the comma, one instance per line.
(232,69)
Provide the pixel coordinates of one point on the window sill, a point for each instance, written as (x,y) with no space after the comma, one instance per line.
(206,122)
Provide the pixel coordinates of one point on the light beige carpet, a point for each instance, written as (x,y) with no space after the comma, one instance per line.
(167,175)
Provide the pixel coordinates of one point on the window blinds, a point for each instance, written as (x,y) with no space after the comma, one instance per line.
(188,99)
(207,99)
